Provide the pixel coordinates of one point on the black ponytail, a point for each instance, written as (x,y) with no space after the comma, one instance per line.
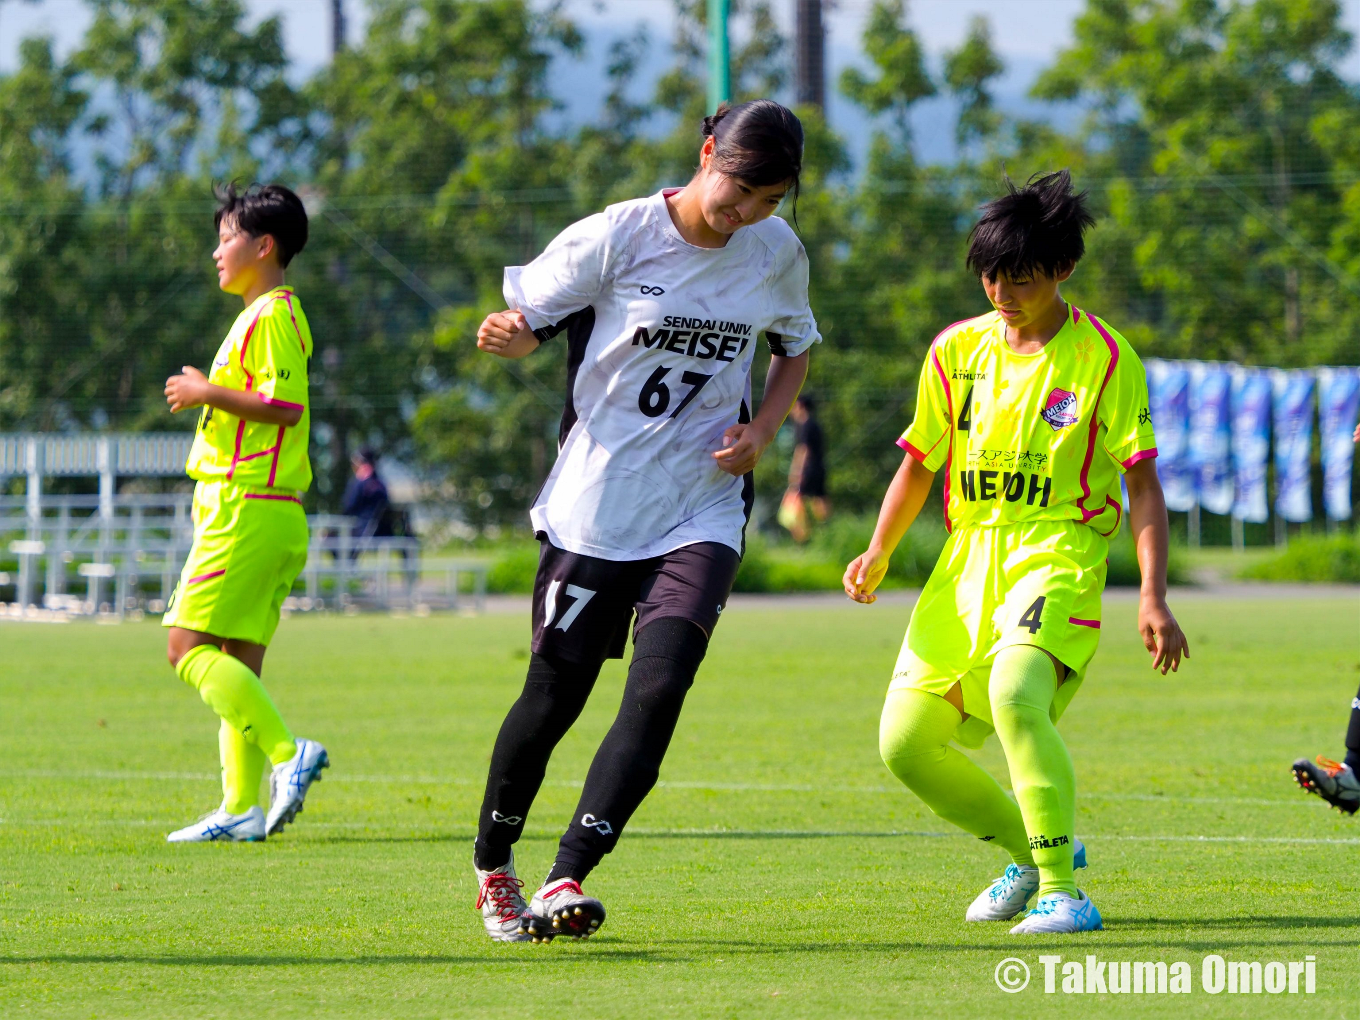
(759,143)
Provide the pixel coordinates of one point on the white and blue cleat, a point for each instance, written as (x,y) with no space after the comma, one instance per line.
(289,782)
(1059,913)
(1006,897)
(222,827)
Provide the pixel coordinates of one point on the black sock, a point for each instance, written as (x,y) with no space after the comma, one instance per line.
(554,693)
(1353,736)
(666,655)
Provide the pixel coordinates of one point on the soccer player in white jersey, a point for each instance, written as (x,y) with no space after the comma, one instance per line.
(662,301)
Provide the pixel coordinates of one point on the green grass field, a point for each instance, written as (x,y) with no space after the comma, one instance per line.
(779,871)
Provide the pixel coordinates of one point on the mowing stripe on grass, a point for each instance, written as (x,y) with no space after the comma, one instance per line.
(576,784)
(644,831)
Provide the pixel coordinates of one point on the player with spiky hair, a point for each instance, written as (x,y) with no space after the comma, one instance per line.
(1032,412)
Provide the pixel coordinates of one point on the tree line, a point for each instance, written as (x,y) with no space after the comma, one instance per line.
(1218,141)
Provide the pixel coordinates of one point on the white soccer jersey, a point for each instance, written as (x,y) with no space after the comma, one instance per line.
(661,336)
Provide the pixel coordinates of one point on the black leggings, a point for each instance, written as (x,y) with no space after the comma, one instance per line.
(666,656)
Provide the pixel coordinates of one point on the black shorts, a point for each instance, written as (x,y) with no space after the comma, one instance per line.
(583,605)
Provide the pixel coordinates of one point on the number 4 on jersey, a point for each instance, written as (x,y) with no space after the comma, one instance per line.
(580,596)
(1030,619)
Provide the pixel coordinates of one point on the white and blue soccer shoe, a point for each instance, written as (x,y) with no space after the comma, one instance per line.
(1007,896)
(289,782)
(222,826)
(1059,913)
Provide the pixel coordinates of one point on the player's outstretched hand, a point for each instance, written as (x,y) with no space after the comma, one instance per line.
(185,391)
(506,334)
(742,447)
(1162,635)
(864,574)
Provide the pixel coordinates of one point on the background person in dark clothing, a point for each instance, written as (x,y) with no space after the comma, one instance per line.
(366,497)
(807,473)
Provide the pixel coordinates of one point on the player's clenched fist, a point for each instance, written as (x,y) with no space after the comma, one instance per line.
(506,334)
(185,391)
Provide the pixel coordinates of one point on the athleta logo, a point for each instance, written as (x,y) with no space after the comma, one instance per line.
(598,824)
(1061,410)
(496,816)
(652,290)
(1044,843)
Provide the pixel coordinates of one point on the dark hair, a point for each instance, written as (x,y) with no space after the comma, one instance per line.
(808,401)
(265,209)
(759,143)
(367,455)
(1038,227)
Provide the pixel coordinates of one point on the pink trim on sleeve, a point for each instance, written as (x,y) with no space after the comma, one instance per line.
(1140,455)
(1093,624)
(911,450)
(275,402)
(206,577)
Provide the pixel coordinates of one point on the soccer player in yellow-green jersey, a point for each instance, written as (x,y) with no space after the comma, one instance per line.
(249,459)
(1032,412)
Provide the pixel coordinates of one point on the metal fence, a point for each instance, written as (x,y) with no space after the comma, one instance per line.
(113,554)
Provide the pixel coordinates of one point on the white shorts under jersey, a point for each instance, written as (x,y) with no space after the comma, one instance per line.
(661,336)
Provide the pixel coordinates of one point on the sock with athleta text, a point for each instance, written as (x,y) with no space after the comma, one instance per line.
(232,690)
(913,738)
(243,766)
(1022,685)
(1353,736)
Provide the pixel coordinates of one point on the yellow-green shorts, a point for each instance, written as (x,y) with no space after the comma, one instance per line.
(250,544)
(1016,584)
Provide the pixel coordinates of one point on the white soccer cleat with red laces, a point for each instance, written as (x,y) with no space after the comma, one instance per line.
(501,902)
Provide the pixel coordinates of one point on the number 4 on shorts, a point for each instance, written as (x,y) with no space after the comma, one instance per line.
(580,597)
(1030,618)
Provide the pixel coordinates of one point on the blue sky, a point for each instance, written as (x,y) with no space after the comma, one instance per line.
(1027,34)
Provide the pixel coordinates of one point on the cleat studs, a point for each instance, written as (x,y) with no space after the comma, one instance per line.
(578,910)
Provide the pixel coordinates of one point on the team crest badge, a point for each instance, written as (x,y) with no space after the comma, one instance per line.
(1061,409)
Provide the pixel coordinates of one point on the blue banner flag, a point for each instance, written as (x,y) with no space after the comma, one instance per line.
(1250,442)
(1293,392)
(1169,396)
(1338,408)
(1210,435)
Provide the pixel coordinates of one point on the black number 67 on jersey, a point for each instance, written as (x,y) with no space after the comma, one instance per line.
(656,395)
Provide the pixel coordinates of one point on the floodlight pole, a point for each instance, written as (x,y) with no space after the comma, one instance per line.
(719,55)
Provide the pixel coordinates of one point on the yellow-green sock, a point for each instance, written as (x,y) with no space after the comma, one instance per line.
(243,766)
(1021,689)
(913,738)
(235,693)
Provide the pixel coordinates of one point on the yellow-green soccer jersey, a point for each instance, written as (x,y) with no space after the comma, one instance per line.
(266,353)
(1037,437)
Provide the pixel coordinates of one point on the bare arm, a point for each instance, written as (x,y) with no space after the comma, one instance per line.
(192,389)
(901,504)
(1162,635)
(506,335)
(744,444)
